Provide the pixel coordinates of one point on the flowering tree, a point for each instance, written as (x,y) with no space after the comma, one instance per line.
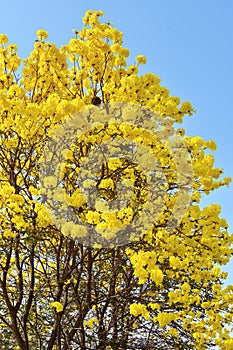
(162,287)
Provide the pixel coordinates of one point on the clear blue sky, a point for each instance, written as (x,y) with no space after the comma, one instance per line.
(188,44)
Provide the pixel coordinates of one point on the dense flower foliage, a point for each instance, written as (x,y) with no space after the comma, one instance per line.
(163,290)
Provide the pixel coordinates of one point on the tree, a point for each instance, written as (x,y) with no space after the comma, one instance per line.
(163,288)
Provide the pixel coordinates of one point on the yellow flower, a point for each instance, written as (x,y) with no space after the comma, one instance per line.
(91,322)
(164,318)
(42,34)
(77,199)
(156,275)
(140,59)
(92,217)
(186,108)
(67,228)
(58,306)
(207,182)
(100,205)
(124,52)
(115,48)
(3,39)
(211,145)
(136,309)
(107,183)
(114,163)
(13,48)
(154,306)
(50,181)
(174,262)
(8,233)
(125,213)
(78,231)
(228,344)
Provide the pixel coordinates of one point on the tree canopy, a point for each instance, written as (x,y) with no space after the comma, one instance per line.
(157,283)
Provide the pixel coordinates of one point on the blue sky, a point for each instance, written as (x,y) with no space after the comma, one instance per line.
(188,44)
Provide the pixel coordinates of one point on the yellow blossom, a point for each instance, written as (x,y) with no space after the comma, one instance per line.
(92,217)
(141,59)
(58,306)
(42,34)
(3,39)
